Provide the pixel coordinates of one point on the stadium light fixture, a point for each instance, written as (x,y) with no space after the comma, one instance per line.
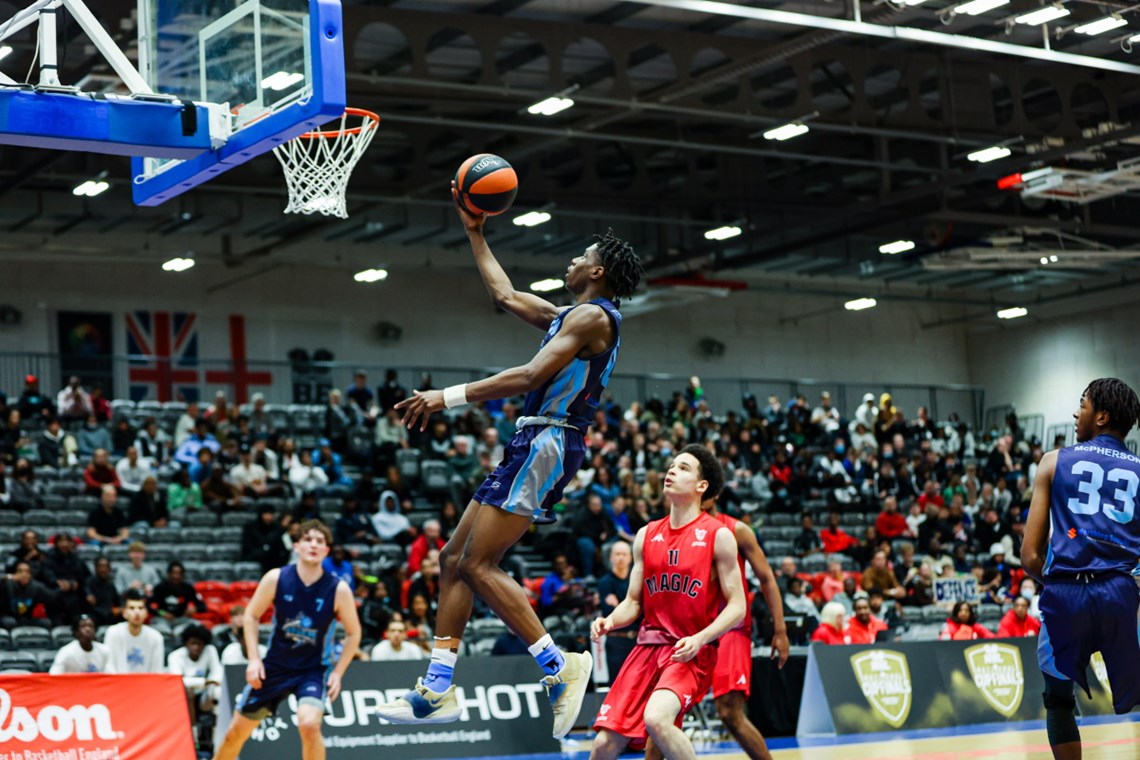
(545,286)
(859,304)
(91,188)
(371,275)
(550,106)
(1014,312)
(1043,15)
(786,132)
(993,153)
(723,233)
(976,7)
(531,219)
(1101,25)
(178,264)
(899,246)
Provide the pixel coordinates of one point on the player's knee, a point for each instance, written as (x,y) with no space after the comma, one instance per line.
(449,561)
(729,715)
(471,569)
(309,726)
(606,745)
(656,722)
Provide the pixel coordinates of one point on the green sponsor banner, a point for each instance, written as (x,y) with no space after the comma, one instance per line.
(930,684)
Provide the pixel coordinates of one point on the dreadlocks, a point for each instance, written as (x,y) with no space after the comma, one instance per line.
(1115,397)
(623,268)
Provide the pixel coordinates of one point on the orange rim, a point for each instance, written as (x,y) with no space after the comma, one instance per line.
(371,121)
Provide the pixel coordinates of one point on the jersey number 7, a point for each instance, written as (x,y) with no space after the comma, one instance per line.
(1094,494)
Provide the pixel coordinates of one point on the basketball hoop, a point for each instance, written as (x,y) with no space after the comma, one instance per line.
(318,164)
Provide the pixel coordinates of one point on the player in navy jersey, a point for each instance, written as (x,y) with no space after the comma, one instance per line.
(564,383)
(1082,541)
(307,602)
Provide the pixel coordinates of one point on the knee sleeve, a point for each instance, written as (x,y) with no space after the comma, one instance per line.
(1060,718)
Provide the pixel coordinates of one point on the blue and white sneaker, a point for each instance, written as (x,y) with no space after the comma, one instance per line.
(422,705)
(567,690)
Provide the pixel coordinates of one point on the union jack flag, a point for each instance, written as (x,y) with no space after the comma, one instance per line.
(163,348)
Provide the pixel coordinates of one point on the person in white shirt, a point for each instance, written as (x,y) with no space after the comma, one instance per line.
(201,670)
(389,521)
(131,646)
(234,653)
(865,413)
(395,645)
(305,477)
(825,415)
(84,654)
(133,470)
(185,427)
(248,476)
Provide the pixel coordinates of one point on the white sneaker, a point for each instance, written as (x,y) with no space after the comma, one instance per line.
(567,690)
(422,705)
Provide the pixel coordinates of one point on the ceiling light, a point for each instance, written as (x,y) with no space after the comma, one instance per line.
(722,233)
(545,286)
(974,7)
(1043,15)
(899,246)
(1101,25)
(1012,313)
(985,155)
(532,219)
(1053,258)
(371,275)
(786,132)
(859,304)
(913,2)
(1133,39)
(282,80)
(5,51)
(91,188)
(178,265)
(550,106)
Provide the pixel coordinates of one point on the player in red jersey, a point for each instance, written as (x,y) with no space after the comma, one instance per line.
(732,678)
(686,582)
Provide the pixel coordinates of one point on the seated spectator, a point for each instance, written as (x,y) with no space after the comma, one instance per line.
(132,471)
(234,653)
(1018,622)
(198,663)
(93,437)
(106,524)
(426,581)
(920,587)
(832,625)
(147,508)
(136,574)
(203,466)
(186,424)
(390,436)
(122,437)
(863,627)
(395,646)
(200,438)
(20,596)
(330,461)
(338,420)
(268,459)
(12,439)
(353,526)
(390,523)
(849,594)
(83,654)
(29,551)
(890,523)
(229,635)
(133,647)
(249,478)
(173,596)
(880,576)
(152,443)
(339,564)
(56,448)
(23,491)
(74,403)
(465,472)
(218,493)
(962,625)
(834,538)
(997,562)
(103,599)
(71,576)
(306,477)
(33,403)
(378,609)
(99,473)
(808,541)
(183,496)
(420,619)
(786,572)
(592,528)
(796,602)
(262,540)
(428,539)
(886,610)
(833,582)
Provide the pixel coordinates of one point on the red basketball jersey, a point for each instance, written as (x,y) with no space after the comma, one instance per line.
(680,594)
(746,623)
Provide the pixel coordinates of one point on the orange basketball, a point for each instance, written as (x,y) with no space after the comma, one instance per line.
(487,184)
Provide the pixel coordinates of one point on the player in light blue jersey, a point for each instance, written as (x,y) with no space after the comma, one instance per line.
(564,383)
(1082,541)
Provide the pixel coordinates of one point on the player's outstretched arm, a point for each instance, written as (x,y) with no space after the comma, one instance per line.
(258,605)
(526,306)
(1036,541)
(346,614)
(581,328)
(750,549)
(732,586)
(629,609)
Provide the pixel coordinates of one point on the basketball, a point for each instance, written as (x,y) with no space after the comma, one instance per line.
(487,184)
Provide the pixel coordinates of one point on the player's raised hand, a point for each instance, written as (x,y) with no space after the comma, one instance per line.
(599,628)
(255,673)
(686,649)
(780,648)
(471,222)
(334,686)
(420,406)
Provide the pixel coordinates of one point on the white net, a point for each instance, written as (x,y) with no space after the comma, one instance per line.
(318,164)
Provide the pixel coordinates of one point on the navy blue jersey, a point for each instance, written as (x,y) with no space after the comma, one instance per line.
(304,625)
(1092,509)
(572,394)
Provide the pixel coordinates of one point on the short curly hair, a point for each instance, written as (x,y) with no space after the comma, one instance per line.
(1115,397)
(623,266)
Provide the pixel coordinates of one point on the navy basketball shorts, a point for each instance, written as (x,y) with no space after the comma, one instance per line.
(537,464)
(1079,618)
(308,685)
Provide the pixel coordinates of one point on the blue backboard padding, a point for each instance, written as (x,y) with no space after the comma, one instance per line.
(327,102)
(117,127)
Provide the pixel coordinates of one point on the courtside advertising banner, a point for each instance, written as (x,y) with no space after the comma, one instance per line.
(94,717)
(505,712)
